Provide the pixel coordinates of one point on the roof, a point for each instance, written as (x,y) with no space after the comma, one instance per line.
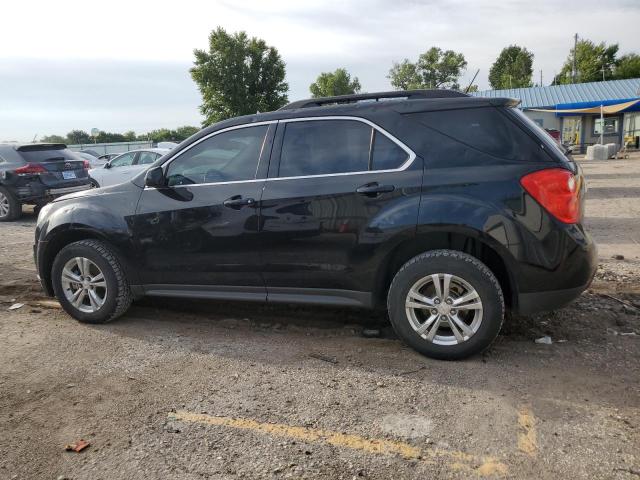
(538,97)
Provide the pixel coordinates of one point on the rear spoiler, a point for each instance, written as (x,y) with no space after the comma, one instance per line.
(34,147)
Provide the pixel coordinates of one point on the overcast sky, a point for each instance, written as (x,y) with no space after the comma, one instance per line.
(120,65)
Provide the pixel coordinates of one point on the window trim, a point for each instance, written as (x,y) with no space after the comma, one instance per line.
(411,154)
(410,158)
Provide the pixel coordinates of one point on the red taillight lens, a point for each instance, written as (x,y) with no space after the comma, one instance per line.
(86,165)
(556,190)
(30,168)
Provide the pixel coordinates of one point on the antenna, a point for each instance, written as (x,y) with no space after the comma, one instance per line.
(471,83)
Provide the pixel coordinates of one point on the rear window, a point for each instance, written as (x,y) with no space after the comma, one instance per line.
(480,134)
(34,156)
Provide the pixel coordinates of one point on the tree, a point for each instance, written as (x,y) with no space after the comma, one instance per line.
(129,136)
(435,68)
(75,137)
(593,63)
(512,69)
(238,76)
(329,84)
(182,133)
(627,66)
(53,139)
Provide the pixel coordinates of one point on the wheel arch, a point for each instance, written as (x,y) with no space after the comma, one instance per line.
(473,243)
(63,236)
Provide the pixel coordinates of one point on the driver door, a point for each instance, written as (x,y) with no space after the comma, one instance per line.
(119,169)
(201,232)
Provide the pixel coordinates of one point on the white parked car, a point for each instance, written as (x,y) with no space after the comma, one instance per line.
(124,167)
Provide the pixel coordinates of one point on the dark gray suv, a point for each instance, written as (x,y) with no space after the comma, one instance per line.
(35,174)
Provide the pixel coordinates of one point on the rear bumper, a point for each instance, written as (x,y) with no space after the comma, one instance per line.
(38,193)
(584,260)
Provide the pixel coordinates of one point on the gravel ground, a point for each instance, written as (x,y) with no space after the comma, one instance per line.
(195,390)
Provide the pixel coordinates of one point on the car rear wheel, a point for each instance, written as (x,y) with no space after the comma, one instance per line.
(10,206)
(93,183)
(89,282)
(446,304)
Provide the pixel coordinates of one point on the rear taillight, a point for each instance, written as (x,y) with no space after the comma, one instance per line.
(86,165)
(557,191)
(30,168)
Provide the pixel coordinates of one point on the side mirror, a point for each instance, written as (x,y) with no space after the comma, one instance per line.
(107,165)
(155,178)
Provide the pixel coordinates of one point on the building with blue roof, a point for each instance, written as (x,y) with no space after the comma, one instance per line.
(575,110)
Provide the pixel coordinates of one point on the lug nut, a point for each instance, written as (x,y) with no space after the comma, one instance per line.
(449,301)
(436,301)
(434,312)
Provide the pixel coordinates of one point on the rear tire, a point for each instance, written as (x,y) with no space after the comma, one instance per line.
(94,184)
(467,319)
(89,282)
(10,206)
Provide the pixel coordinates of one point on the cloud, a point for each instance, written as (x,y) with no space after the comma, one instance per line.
(126,66)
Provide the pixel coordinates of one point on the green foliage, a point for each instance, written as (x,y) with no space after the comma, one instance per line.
(591,59)
(238,76)
(329,84)
(627,66)
(75,137)
(53,139)
(512,69)
(435,68)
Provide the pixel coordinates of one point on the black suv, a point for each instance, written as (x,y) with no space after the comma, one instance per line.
(446,209)
(36,173)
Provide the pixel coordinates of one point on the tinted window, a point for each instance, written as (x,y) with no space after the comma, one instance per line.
(387,155)
(123,160)
(146,158)
(481,131)
(225,157)
(35,156)
(324,146)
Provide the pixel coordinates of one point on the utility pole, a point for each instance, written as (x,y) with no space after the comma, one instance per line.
(540,77)
(575,65)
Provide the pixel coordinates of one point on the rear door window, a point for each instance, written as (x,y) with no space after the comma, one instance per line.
(146,158)
(321,147)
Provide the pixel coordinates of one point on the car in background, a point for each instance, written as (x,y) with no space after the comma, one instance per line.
(108,156)
(125,166)
(94,162)
(36,173)
(93,153)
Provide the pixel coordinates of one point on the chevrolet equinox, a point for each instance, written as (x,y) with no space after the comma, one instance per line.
(446,209)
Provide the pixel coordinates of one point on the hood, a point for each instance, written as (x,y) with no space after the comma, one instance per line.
(96,192)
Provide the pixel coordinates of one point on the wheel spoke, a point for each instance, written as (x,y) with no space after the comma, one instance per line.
(428,302)
(434,329)
(436,284)
(428,322)
(98,281)
(470,306)
(445,288)
(95,301)
(80,264)
(454,329)
(78,297)
(70,276)
(472,295)
(463,326)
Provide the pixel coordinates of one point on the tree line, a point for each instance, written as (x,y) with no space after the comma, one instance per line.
(77,137)
(241,75)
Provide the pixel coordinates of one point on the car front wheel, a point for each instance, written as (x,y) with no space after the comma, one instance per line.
(89,282)
(446,304)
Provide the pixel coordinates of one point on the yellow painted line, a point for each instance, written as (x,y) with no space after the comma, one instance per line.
(460,461)
(527,437)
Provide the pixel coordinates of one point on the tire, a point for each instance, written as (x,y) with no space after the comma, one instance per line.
(10,206)
(482,316)
(115,295)
(94,183)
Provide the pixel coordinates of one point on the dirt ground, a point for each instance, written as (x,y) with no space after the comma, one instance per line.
(213,390)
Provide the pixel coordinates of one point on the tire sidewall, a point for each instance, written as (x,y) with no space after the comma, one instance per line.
(75,250)
(461,266)
(15,207)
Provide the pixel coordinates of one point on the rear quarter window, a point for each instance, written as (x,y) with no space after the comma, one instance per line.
(477,136)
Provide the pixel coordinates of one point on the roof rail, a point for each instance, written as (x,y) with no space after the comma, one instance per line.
(406,94)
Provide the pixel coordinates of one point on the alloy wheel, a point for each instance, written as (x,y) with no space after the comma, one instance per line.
(4,205)
(84,284)
(444,309)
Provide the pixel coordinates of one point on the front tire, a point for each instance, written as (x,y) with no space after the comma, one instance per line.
(89,282)
(446,304)
(10,206)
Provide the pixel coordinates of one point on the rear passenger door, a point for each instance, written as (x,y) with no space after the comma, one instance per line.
(340,191)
